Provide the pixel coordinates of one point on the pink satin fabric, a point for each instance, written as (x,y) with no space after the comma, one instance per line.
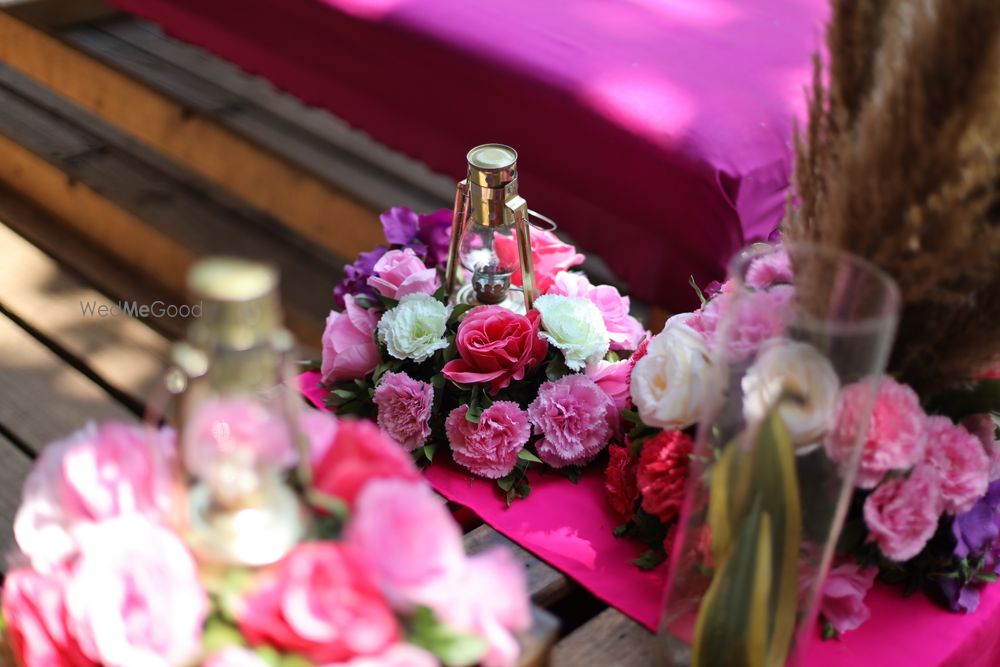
(569,526)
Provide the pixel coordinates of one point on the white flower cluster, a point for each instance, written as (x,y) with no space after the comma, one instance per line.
(575,326)
(415,328)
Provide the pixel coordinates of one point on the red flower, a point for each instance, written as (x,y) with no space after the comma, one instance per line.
(663,473)
(620,482)
(496,345)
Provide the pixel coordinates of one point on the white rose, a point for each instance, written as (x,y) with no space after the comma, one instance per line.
(575,326)
(415,328)
(675,378)
(799,374)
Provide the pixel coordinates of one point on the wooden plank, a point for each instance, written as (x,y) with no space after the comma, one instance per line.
(537,642)
(180,216)
(545,583)
(43,398)
(123,351)
(14,467)
(55,13)
(610,638)
(308,136)
(303,202)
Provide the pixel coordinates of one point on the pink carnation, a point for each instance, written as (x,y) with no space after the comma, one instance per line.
(358,454)
(97,473)
(613,379)
(769,269)
(410,543)
(624,331)
(751,319)
(842,601)
(895,437)
(550,257)
(489,448)
(404,409)
(960,461)
(576,419)
(349,350)
(397,655)
(400,272)
(902,513)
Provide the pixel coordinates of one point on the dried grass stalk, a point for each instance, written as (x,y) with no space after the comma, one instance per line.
(901,165)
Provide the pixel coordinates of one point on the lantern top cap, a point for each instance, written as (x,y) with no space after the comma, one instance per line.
(492,165)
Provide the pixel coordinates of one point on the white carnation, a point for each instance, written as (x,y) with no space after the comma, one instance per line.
(671,384)
(575,326)
(415,328)
(802,379)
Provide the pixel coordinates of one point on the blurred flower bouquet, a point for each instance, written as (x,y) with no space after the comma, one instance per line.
(495,389)
(926,509)
(104,575)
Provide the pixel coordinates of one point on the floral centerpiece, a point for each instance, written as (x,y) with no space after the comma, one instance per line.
(104,575)
(495,390)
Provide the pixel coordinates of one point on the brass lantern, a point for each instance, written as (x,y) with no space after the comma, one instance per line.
(487,204)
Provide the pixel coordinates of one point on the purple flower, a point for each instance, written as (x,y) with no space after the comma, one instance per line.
(355,280)
(400,225)
(435,233)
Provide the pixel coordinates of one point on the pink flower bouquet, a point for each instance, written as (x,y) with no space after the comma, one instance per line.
(498,390)
(926,509)
(104,576)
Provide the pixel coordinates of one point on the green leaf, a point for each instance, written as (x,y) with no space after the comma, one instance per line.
(525,455)
(219,634)
(452,648)
(388,303)
(506,483)
(458,311)
(269,655)
(556,368)
(612,356)
(292,660)
(829,632)
(572,473)
(429,451)
(650,559)
(345,394)
(988,577)
(620,530)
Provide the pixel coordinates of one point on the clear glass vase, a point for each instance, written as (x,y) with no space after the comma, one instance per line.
(776,453)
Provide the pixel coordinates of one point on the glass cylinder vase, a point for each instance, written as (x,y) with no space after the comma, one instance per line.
(776,451)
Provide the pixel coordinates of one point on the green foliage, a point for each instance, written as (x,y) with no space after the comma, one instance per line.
(452,648)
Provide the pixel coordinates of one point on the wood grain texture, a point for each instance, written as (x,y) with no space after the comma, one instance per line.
(33,287)
(537,642)
(610,638)
(304,203)
(43,398)
(14,466)
(545,583)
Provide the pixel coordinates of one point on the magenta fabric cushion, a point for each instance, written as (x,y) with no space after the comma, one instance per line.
(569,526)
(657,132)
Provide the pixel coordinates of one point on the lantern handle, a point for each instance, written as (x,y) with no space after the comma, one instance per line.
(549,226)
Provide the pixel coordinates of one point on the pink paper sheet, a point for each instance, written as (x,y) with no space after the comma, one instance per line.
(569,526)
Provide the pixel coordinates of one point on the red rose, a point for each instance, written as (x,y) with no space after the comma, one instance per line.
(620,482)
(663,473)
(320,603)
(358,454)
(496,345)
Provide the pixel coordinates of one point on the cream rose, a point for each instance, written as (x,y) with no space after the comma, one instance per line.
(675,378)
(415,328)
(806,380)
(575,326)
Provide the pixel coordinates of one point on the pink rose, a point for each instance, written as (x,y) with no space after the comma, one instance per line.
(349,350)
(895,437)
(491,600)
(902,513)
(234,656)
(624,331)
(240,429)
(320,602)
(489,448)
(410,543)
(320,429)
(753,318)
(496,346)
(358,454)
(960,461)
(550,257)
(404,409)
(134,597)
(842,601)
(34,609)
(400,272)
(613,379)
(397,655)
(576,419)
(95,474)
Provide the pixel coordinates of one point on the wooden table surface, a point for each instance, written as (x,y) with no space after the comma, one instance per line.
(59,369)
